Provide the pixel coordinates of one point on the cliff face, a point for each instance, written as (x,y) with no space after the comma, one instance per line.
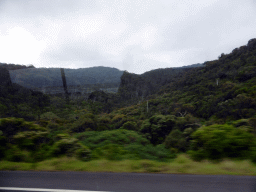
(134,86)
(5,79)
(138,87)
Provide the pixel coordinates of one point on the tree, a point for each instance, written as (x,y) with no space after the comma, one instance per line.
(176,140)
(220,141)
(157,128)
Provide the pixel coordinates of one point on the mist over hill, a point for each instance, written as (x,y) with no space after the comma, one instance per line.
(51,77)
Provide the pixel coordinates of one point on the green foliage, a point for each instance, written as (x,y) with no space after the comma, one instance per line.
(130,126)
(94,139)
(122,144)
(220,141)
(118,120)
(85,122)
(65,146)
(30,139)
(252,123)
(49,116)
(157,128)
(104,123)
(109,151)
(41,153)
(176,139)
(83,153)
(158,152)
(69,146)
(11,126)
(16,155)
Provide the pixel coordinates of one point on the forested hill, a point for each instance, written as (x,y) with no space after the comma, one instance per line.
(224,88)
(51,77)
(137,87)
(15,66)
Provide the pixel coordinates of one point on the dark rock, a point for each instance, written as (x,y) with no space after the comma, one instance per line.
(251,44)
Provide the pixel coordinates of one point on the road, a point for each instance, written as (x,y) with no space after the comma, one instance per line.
(124,182)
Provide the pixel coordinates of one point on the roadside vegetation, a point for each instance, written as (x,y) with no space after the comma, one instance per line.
(180,165)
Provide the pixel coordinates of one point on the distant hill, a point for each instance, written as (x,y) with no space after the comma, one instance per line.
(51,77)
(15,66)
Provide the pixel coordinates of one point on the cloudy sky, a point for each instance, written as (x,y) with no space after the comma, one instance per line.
(132,35)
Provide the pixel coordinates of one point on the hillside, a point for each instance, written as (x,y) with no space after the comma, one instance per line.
(15,66)
(51,77)
(138,87)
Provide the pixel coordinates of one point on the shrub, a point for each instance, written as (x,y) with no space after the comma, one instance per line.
(16,155)
(49,116)
(110,151)
(94,139)
(130,126)
(157,127)
(11,126)
(176,140)
(66,146)
(220,141)
(30,139)
(85,122)
(83,153)
(158,152)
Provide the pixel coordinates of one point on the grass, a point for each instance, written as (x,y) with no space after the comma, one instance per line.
(181,165)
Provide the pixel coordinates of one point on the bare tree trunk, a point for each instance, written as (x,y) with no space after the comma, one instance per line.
(64,84)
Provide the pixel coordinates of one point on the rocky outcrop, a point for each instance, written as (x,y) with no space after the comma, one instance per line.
(251,44)
(138,87)
(5,79)
(134,86)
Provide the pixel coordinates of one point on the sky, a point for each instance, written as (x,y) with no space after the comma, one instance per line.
(132,35)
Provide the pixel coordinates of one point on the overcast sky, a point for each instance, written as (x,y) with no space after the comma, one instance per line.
(132,35)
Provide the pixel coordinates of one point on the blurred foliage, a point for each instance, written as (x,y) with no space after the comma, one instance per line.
(221,141)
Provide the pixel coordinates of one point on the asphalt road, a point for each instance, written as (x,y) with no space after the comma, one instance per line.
(125,182)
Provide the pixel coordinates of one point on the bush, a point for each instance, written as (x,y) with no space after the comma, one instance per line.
(41,153)
(85,122)
(176,140)
(11,126)
(95,139)
(17,155)
(83,153)
(49,116)
(30,139)
(109,151)
(220,141)
(66,146)
(157,153)
(197,155)
(130,126)
(157,127)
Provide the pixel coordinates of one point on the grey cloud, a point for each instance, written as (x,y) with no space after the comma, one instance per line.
(74,52)
(130,34)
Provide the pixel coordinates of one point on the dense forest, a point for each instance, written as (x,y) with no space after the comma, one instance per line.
(207,111)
